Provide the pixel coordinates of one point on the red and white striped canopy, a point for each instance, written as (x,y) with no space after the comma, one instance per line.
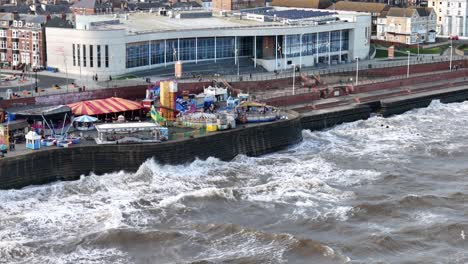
(104,106)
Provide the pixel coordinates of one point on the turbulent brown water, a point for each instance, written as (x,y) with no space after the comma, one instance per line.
(377,191)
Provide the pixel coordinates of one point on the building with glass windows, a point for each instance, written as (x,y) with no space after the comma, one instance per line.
(272,37)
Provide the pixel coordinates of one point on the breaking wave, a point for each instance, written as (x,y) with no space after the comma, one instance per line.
(371,190)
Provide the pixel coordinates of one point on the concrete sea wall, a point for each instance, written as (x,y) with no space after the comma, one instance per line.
(326,118)
(399,105)
(48,165)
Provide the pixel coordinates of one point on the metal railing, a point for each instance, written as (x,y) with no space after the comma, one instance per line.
(232,77)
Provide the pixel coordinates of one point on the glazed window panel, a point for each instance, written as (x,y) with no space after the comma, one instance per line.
(107,55)
(323,42)
(137,54)
(205,48)
(171,50)
(245,45)
(308,44)
(84,55)
(335,41)
(345,40)
(91,56)
(74,56)
(225,47)
(157,52)
(78,54)
(98,53)
(292,45)
(187,49)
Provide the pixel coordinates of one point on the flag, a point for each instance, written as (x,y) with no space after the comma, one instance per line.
(155,116)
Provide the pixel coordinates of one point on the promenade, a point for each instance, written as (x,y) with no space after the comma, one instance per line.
(59,83)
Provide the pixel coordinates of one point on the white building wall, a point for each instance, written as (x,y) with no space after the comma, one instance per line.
(453,17)
(60,50)
(60,55)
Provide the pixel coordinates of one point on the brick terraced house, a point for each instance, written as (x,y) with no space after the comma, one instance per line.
(22,40)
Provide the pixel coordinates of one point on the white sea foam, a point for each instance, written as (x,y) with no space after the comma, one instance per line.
(313,180)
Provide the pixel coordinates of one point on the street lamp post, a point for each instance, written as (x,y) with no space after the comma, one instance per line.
(237,61)
(357,70)
(294,78)
(451,56)
(407,69)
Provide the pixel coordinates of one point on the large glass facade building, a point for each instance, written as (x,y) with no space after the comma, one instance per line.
(139,54)
(115,45)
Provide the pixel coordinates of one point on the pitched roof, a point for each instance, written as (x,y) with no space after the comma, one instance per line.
(58,22)
(321,4)
(423,11)
(89,4)
(6,16)
(20,9)
(39,19)
(399,12)
(360,7)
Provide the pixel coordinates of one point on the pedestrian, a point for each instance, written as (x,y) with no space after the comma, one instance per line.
(110,78)
(96,77)
(250,76)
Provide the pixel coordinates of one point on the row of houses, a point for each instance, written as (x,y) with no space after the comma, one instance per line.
(23,42)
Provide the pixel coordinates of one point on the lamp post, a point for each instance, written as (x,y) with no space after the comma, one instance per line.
(357,70)
(237,61)
(407,69)
(451,56)
(294,78)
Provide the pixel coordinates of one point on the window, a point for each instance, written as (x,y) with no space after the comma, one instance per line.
(73,52)
(3,45)
(35,47)
(84,55)
(107,55)
(14,34)
(78,54)
(91,62)
(99,56)
(20,23)
(15,45)
(35,60)
(15,23)
(137,54)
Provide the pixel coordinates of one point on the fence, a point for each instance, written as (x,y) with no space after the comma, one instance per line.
(231,77)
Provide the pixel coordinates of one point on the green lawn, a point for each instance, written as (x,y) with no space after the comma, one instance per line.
(463,47)
(381,53)
(126,77)
(434,50)
(384,54)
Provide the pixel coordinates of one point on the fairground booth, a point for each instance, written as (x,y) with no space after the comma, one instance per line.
(44,120)
(108,109)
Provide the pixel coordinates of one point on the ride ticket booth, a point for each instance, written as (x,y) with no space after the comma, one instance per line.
(33,140)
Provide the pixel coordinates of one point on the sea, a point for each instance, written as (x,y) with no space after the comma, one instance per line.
(382,190)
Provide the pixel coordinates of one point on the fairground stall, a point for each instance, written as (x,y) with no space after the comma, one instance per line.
(48,120)
(128,133)
(108,109)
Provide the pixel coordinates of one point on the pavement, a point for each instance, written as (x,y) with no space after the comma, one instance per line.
(204,71)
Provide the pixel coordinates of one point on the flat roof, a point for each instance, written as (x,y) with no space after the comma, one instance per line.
(123,126)
(145,22)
